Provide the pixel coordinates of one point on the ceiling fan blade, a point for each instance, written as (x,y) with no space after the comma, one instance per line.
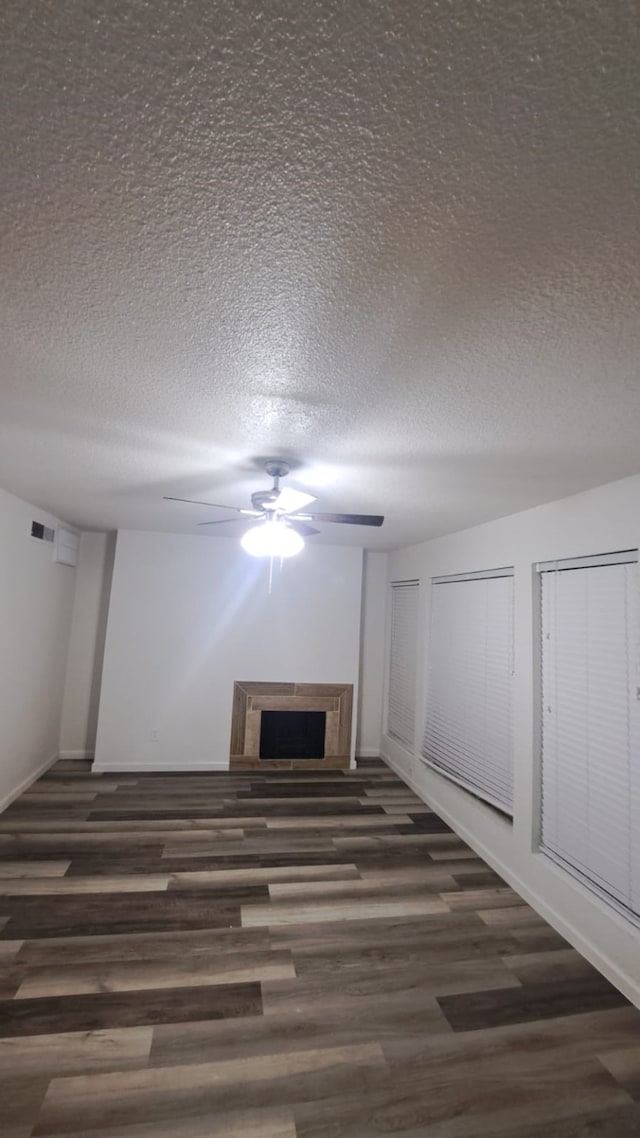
(215,506)
(348,519)
(290,500)
(301,527)
(227,521)
(196,502)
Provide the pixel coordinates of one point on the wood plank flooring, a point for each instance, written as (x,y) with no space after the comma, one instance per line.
(286,955)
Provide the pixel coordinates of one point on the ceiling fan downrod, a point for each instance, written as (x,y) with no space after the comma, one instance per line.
(276,468)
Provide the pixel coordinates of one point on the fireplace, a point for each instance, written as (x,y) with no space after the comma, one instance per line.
(292,734)
(327,733)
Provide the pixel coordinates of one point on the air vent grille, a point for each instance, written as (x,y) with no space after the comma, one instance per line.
(43,533)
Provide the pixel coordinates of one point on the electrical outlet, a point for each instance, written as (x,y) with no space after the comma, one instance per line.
(155,738)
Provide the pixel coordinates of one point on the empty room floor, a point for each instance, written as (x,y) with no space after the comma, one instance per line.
(286,955)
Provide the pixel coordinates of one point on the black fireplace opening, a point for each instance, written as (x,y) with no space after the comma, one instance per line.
(292,734)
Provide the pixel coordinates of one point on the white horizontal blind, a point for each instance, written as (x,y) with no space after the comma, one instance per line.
(468,731)
(591,725)
(401,708)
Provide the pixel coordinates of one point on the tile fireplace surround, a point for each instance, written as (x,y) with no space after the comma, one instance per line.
(251,698)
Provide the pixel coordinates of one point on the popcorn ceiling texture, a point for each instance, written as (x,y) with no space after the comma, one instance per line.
(397,242)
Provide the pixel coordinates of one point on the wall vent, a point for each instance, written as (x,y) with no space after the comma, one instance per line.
(65,551)
(43,533)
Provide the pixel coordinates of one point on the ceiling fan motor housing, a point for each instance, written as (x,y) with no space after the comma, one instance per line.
(276,467)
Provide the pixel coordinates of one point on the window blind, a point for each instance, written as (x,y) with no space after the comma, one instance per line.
(401,709)
(469,719)
(591,723)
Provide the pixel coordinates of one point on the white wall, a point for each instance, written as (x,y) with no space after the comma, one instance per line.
(601,520)
(35,615)
(86,645)
(188,616)
(372,653)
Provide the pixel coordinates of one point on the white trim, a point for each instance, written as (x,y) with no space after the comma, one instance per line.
(368,753)
(590,718)
(75,754)
(478,791)
(603,963)
(592,886)
(468,731)
(400,704)
(161,768)
(27,782)
(624,557)
(481,575)
(400,746)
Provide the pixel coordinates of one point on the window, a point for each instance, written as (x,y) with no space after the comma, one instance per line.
(591,722)
(401,708)
(468,726)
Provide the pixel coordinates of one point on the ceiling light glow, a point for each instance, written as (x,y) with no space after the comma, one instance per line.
(272,539)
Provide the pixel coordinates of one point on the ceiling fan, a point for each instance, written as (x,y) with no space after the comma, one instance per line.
(283,524)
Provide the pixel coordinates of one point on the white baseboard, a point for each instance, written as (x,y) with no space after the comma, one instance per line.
(600,960)
(11,796)
(368,753)
(160,768)
(75,754)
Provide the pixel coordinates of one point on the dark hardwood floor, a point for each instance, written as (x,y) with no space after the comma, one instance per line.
(286,955)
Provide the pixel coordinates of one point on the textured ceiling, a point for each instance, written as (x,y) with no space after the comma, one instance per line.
(396,242)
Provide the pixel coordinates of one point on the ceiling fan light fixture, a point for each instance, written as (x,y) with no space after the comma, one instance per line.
(272,538)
